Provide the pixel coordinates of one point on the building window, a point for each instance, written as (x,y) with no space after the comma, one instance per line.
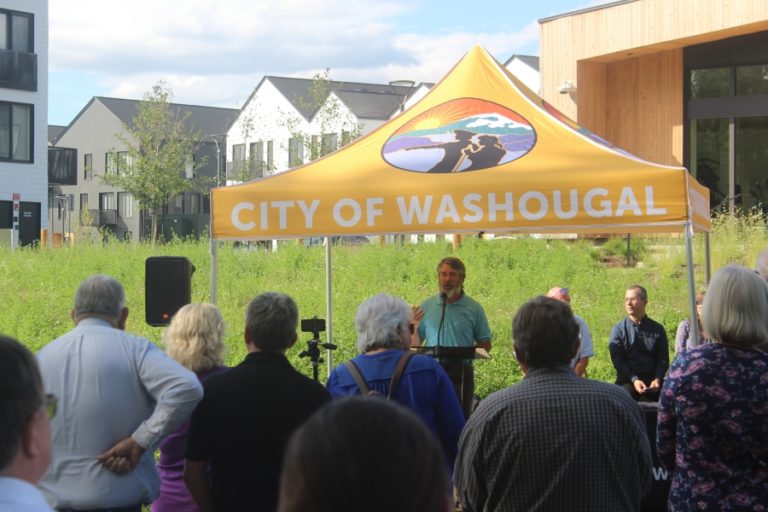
(15,132)
(123,161)
(314,148)
(751,80)
(257,159)
(110,163)
(189,167)
(16,31)
(125,205)
(238,161)
(270,156)
(295,152)
(71,202)
(346,137)
(88,166)
(330,143)
(127,236)
(727,125)
(107,201)
(83,202)
(193,203)
(710,83)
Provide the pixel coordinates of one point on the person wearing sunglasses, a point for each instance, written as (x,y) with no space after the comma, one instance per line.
(25,429)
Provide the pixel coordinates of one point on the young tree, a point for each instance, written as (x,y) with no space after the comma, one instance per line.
(160,149)
(329,116)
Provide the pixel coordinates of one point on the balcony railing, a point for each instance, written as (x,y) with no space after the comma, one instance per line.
(102,218)
(244,170)
(18,70)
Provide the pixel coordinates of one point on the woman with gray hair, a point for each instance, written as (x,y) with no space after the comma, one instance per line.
(713,411)
(195,339)
(383,325)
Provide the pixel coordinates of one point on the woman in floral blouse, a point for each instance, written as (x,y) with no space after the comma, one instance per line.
(713,410)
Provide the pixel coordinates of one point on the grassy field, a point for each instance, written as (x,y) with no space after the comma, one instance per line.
(38,285)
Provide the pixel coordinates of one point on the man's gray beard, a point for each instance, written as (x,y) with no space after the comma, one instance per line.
(453,292)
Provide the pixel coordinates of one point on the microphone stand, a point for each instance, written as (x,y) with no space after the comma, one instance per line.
(443,302)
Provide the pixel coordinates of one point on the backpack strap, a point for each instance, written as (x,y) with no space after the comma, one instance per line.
(354,370)
(399,369)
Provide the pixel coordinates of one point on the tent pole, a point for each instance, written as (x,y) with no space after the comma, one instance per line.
(708,266)
(328,303)
(214,269)
(691,284)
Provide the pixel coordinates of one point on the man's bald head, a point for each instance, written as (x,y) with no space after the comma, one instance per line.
(559,293)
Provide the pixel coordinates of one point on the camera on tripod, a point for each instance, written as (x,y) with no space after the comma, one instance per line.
(315,326)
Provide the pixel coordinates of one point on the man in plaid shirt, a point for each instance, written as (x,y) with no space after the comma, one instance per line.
(554,441)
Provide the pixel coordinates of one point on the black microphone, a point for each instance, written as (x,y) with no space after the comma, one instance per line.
(443,298)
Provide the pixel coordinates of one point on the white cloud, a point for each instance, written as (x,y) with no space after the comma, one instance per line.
(214,52)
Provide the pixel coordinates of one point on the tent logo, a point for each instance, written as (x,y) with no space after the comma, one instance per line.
(461,135)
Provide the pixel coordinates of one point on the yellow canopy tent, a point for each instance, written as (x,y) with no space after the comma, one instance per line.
(480,152)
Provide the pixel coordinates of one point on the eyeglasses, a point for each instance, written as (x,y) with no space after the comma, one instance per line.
(50,405)
(699,302)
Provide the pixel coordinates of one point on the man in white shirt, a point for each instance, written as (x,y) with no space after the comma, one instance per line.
(25,429)
(119,396)
(580,362)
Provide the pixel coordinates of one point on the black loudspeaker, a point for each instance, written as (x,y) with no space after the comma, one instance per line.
(167,287)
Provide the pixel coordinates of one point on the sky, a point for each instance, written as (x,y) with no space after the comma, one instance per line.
(215,52)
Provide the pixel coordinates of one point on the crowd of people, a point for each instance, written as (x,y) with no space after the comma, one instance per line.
(397,427)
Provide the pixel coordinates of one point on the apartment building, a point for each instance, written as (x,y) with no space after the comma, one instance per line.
(23,121)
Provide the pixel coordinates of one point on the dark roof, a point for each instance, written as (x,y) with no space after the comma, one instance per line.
(54,130)
(365,100)
(530,60)
(207,120)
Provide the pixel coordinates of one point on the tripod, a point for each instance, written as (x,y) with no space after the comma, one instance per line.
(313,346)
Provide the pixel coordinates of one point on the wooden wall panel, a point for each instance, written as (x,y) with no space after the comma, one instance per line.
(636,28)
(591,96)
(636,104)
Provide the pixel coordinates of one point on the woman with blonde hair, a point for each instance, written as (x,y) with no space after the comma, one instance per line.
(195,338)
(713,411)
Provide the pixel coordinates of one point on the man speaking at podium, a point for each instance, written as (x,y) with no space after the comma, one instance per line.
(451,319)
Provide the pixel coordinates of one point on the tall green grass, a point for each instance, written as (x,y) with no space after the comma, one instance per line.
(38,285)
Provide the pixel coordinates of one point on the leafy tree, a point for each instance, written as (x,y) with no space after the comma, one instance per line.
(160,148)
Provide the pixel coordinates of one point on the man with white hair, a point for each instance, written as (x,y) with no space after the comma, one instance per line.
(119,396)
(25,429)
(580,362)
(383,325)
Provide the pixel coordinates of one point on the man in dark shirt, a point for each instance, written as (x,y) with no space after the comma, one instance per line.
(239,431)
(554,441)
(639,348)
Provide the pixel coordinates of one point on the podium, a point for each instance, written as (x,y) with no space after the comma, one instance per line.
(457,363)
